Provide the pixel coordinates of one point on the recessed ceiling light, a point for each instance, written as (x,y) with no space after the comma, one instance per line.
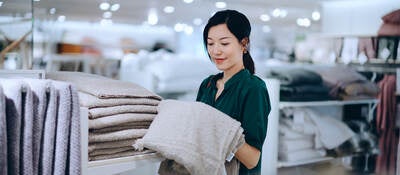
(316,15)
(1,3)
(107,14)
(220,4)
(104,6)
(152,17)
(188,29)
(169,9)
(52,11)
(114,7)
(265,17)
(303,22)
(179,27)
(188,1)
(61,18)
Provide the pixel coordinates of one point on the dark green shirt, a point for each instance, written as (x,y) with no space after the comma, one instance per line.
(244,98)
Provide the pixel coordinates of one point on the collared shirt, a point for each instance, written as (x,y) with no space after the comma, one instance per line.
(244,98)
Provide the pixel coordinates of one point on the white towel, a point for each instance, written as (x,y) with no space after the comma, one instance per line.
(288,145)
(3,133)
(193,134)
(287,133)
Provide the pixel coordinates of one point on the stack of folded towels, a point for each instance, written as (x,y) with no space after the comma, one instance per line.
(119,113)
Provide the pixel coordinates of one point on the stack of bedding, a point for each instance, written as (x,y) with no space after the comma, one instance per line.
(119,113)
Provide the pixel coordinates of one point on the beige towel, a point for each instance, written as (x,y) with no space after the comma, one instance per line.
(90,101)
(102,87)
(134,125)
(119,119)
(111,144)
(193,134)
(110,151)
(121,154)
(117,135)
(106,111)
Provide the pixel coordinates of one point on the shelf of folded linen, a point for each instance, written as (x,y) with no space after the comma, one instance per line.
(119,113)
(328,103)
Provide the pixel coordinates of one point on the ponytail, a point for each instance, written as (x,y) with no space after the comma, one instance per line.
(248,62)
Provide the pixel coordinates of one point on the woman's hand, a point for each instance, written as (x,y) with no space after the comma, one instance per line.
(248,155)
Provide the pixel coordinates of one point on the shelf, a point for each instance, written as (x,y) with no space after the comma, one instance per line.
(327,103)
(303,162)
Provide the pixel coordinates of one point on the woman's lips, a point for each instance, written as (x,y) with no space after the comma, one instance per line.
(219,61)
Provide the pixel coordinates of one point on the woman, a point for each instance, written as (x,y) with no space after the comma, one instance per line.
(236,91)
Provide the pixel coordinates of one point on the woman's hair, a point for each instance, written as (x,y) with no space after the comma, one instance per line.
(238,25)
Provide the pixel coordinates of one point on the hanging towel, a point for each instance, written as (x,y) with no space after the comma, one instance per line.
(40,102)
(26,158)
(117,135)
(104,87)
(119,119)
(91,101)
(193,134)
(111,144)
(106,111)
(3,133)
(74,154)
(13,92)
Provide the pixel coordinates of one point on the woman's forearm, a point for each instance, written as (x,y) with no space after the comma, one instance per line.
(248,155)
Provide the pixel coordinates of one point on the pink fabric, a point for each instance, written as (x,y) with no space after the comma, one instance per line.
(388,29)
(392,17)
(367,45)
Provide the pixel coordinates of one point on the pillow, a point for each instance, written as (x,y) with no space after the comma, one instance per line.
(392,17)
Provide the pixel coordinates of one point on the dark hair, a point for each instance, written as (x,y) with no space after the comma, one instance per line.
(239,25)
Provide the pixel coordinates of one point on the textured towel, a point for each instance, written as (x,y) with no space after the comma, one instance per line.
(119,119)
(102,87)
(120,128)
(74,154)
(40,102)
(110,151)
(117,135)
(121,154)
(111,144)
(63,126)
(90,101)
(49,130)
(193,134)
(3,133)
(106,111)
(13,92)
(26,159)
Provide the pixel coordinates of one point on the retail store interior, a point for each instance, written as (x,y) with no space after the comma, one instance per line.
(330,66)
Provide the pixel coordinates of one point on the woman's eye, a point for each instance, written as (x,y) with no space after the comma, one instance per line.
(225,44)
(210,44)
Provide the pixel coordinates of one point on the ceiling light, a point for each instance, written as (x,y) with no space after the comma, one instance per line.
(52,11)
(197,21)
(107,14)
(316,15)
(169,9)
(36,0)
(266,29)
(114,7)
(276,12)
(264,17)
(220,4)
(179,27)
(1,3)
(104,6)
(152,18)
(188,1)
(188,29)
(61,18)
(303,22)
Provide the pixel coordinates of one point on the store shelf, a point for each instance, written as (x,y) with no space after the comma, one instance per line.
(282,164)
(327,103)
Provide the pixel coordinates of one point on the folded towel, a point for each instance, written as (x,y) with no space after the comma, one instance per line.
(295,144)
(193,134)
(102,87)
(301,154)
(132,125)
(121,154)
(91,101)
(117,135)
(111,144)
(106,151)
(106,111)
(3,133)
(119,119)
(287,133)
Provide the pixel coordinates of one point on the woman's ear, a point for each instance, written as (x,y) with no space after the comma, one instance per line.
(245,44)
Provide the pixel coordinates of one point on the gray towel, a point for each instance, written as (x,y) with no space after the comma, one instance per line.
(106,111)
(119,119)
(40,102)
(49,133)
(121,154)
(74,155)
(111,144)
(63,126)
(91,101)
(117,135)
(193,134)
(26,158)
(13,92)
(3,133)
(102,87)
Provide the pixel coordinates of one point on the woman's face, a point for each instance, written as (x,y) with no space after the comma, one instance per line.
(224,48)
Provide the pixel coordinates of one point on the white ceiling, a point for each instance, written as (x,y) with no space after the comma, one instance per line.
(135,11)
